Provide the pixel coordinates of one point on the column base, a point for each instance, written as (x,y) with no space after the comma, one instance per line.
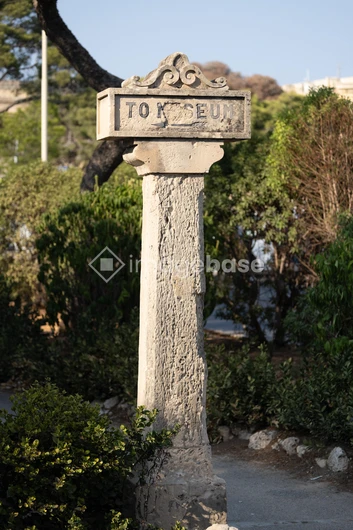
(196,503)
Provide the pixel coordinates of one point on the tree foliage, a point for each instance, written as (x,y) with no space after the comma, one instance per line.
(242,207)
(72,237)
(312,156)
(71,102)
(262,86)
(19,40)
(324,314)
(26,193)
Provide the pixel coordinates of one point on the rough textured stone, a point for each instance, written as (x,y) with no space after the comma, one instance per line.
(337,460)
(171,158)
(221,527)
(172,364)
(321,462)
(290,445)
(225,432)
(244,435)
(241,433)
(175,101)
(111,402)
(101,406)
(261,439)
(196,503)
(302,450)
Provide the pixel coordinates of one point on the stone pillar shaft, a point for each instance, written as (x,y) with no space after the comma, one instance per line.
(172,366)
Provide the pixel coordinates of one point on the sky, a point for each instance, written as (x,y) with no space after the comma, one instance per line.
(288,40)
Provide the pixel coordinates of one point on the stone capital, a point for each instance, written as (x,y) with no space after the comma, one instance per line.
(173,157)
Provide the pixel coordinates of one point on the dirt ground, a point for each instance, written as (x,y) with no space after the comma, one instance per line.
(305,467)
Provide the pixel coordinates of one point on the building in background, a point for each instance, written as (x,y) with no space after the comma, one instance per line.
(343,86)
(10,92)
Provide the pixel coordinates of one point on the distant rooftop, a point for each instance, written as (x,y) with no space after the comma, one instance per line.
(343,86)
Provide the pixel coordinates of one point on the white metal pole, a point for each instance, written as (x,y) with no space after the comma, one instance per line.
(44,98)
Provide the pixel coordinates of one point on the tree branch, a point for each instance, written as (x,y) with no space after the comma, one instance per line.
(105,158)
(109,153)
(66,42)
(18,102)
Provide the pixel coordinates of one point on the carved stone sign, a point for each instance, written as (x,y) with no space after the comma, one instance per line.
(178,121)
(194,108)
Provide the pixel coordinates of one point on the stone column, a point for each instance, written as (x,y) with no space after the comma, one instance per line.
(177,119)
(172,365)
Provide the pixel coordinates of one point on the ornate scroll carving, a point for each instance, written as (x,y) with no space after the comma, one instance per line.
(176,71)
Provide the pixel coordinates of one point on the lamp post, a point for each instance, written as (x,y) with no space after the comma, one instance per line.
(44,99)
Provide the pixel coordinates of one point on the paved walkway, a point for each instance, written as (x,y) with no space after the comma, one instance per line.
(5,402)
(263,498)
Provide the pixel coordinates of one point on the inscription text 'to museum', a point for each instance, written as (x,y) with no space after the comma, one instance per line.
(166,114)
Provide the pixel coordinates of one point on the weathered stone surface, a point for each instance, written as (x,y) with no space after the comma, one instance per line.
(290,445)
(225,432)
(196,503)
(261,439)
(111,402)
(321,462)
(337,460)
(174,101)
(101,406)
(173,157)
(221,527)
(241,432)
(302,450)
(172,365)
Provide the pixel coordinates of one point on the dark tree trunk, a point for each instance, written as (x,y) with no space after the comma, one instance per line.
(106,157)
(66,42)
(108,154)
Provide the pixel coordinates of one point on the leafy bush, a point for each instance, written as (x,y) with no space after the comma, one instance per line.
(63,466)
(96,353)
(316,398)
(26,193)
(97,366)
(325,313)
(240,388)
(320,400)
(322,324)
(22,344)
(96,369)
(71,238)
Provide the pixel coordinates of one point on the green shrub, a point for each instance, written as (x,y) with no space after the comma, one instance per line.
(97,366)
(316,397)
(96,353)
(321,399)
(22,344)
(26,193)
(239,387)
(325,312)
(63,466)
(71,238)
